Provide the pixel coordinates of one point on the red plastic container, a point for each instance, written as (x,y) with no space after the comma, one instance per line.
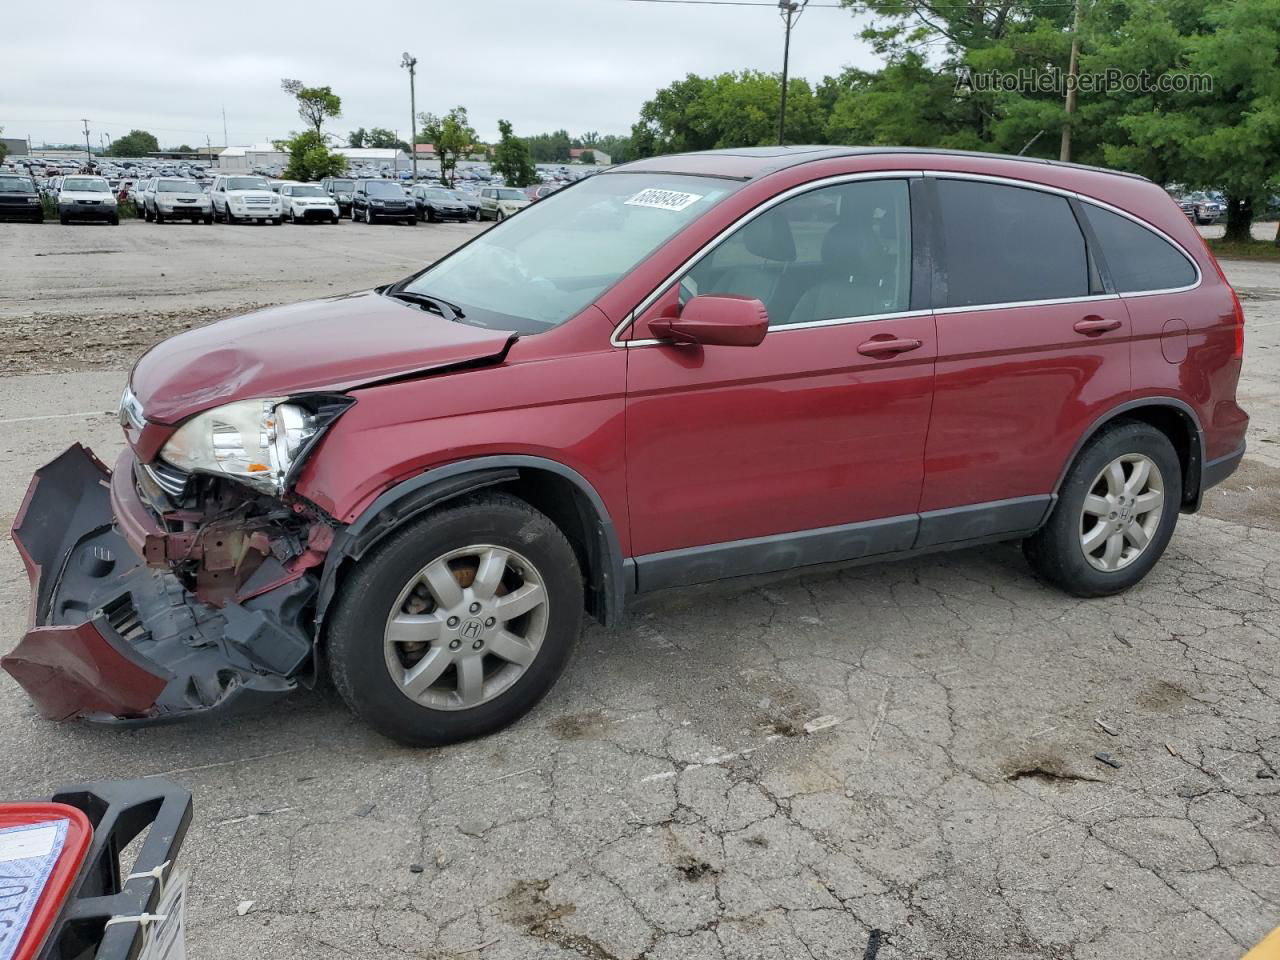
(66,870)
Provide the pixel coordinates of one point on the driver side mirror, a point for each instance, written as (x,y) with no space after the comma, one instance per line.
(719,320)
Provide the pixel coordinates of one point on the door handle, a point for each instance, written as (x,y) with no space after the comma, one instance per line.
(1094,324)
(873,347)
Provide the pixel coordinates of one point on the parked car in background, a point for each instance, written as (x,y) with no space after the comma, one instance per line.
(19,198)
(435,204)
(471,200)
(87,198)
(168,198)
(498,203)
(1204,209)
(237,197)
(377,199)
(307,202)
(340,188)
(136,191)
(536,193)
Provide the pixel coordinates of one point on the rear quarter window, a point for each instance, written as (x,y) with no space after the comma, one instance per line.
(1139,259)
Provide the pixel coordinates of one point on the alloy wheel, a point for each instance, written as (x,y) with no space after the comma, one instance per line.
(1121,512)
(466,627)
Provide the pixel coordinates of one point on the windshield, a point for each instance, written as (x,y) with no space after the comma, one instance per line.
(439,195)
(16,185)
(384,188)
(308,190)
(247,183)
(177,186)
(341,185)
(511,194)
(539,269)
(86,184)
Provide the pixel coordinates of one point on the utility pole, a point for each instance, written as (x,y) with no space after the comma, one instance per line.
(789,11)
(1073,71)
(410,64)
(225,142)
(88,151)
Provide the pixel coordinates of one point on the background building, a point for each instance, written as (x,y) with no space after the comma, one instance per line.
(14,146)
(392,158)
(236,159)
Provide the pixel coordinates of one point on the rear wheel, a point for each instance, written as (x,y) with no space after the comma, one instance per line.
(459,624)
(1115,514)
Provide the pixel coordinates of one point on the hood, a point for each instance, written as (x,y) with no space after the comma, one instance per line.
(86,195)
(320,345)
(251,193)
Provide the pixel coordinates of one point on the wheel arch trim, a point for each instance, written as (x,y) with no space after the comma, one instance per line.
(412,497)
(1195,465)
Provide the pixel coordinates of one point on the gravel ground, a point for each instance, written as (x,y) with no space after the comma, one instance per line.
(892,762)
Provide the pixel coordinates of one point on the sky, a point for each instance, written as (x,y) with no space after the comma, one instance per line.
(574,64)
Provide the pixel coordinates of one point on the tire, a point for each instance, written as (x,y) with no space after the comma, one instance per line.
(39,218)
(115,220)
(208,218)
(412,221)
(353,214)
(228,216)
(361,665)
(62,219)
(1058,553)
(500,217)
(159,216)
(368,215)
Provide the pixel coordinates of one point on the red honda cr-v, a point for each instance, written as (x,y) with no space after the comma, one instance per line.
(686,368)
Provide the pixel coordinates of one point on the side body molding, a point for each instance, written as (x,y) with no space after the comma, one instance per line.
(410,498)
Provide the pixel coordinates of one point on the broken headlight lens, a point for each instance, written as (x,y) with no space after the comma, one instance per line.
(254,441)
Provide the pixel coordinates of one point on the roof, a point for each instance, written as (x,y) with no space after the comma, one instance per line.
(255,148)
(748,163)
(424,148)
(369,153)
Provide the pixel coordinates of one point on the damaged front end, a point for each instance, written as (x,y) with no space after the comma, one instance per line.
(158,593)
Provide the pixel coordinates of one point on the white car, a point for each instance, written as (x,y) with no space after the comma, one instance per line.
(304,202)
(171,198)
(498,203)
(87,198)
(237,197)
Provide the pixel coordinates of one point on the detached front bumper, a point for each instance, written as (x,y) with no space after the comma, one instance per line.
(114,636)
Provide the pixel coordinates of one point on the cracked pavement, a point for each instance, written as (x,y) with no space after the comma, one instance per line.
(893,761)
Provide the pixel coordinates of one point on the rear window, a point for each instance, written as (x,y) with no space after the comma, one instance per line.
(1009,245)
(1138,259)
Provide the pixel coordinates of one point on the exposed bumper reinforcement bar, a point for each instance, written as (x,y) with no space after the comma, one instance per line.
(113,640)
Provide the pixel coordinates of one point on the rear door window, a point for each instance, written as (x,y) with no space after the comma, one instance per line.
(1006,244)
(1138,259)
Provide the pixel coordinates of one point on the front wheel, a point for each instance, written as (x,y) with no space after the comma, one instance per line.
(458,624)
(1115,513)
(368,215)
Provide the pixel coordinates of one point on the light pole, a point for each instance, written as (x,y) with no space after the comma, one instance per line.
(409,63)
(787,9)
(88,151)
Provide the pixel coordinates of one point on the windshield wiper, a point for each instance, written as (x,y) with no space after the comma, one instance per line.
(450,311)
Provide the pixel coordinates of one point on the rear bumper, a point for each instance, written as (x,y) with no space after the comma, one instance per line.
(113,635)
(1215,471)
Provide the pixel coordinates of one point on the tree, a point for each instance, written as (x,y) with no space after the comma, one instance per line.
(729,110)
(1226,136)
(315,104)
(184,148)
(4,150)
(550,147)
(385,139)
(512,160)
(587,156)
(135,143)
(452,136)
(356,138)
(310,159)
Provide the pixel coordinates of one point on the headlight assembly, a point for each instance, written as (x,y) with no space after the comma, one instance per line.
(257,442)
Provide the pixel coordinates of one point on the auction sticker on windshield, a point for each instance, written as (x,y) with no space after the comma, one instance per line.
(664,199)
(28,854)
